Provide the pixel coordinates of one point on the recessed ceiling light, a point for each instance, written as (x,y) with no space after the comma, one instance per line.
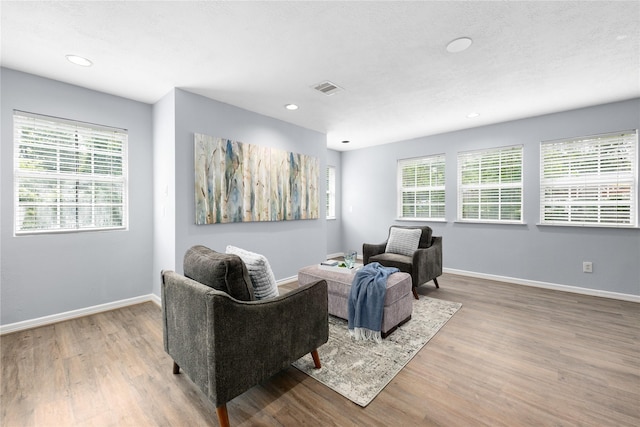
(345,141)
(458,45)
(79,60)
(291,107)
(472,115)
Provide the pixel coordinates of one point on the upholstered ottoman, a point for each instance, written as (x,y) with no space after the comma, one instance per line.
(398,303)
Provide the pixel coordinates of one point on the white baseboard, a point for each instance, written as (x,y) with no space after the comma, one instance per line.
(335,255)
(55,318)
(155,298)
(546,285)
(286,280)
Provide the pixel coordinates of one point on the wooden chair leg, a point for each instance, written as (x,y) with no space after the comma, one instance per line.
(436,282)
(223,415)
(176,368)
(415,292)
(316,359)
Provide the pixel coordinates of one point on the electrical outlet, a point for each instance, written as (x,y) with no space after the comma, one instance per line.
(587,267)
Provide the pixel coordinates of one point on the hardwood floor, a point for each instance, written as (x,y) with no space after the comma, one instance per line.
(511,356)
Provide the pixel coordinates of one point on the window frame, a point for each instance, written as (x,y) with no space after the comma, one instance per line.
(501,190)
(429,191)
(584,189)
(69,176)
(331,192)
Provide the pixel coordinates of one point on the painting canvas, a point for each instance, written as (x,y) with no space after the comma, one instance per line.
(239,182)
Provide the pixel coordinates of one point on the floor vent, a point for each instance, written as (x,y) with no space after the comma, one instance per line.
(327,88)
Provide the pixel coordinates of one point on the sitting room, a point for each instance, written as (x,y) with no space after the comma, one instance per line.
(197,197)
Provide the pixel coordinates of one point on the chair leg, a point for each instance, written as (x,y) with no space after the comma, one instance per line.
(436,282)
(415,292)
(316,359)
(176,368)
(223,415)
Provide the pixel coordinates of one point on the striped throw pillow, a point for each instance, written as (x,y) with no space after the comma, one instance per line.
(262,278)
(403,241)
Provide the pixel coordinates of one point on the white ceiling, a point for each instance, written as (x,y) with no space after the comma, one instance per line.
(527,59)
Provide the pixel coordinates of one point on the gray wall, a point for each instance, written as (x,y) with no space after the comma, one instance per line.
(55,273)
(334,226)
(52,274)
(288,245)
(529,252)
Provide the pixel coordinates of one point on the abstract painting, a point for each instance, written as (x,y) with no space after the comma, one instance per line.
(239,182)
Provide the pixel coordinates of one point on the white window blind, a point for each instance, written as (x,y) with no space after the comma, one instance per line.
(68,176)
(590,180)
(490,185)
(331,192)
(421,187)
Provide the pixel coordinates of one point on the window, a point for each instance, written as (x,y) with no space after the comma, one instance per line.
(68,176)
(421,188)
(590,180)
(490,185)
(331,192)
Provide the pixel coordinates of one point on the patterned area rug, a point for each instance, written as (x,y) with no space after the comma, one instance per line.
(360,370)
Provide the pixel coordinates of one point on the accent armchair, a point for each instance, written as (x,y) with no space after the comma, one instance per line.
(225,341)
(424,263)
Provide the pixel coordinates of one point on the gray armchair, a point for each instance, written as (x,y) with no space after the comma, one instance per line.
(424,265)
(226,342)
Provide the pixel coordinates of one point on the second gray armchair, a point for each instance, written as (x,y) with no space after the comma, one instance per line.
(424,263)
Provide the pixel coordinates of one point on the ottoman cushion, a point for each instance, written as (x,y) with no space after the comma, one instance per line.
(398,303)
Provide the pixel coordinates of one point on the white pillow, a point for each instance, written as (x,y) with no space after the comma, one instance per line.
(403,241)
(262,278)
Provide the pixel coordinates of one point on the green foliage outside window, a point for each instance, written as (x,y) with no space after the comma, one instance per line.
(490,185)
(422,184)
(69,176)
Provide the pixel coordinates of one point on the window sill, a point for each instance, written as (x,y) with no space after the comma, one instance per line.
(422,219)
(614,227)
(68,231)
(489,222)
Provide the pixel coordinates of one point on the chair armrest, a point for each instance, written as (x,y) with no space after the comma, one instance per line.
(185,315)
(371,249)
(428,261)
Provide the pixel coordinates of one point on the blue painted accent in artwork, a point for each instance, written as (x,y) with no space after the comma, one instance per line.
(233,181)
(294,185)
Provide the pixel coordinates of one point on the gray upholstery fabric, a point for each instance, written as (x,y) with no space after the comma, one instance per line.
(224,272)
(226,345)
(424,265)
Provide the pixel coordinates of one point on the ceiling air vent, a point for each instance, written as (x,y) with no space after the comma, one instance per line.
(327,88)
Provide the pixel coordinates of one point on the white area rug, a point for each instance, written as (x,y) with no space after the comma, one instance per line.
(360,370)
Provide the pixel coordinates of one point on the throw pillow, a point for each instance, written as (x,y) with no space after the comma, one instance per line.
(262,278)
(403,241)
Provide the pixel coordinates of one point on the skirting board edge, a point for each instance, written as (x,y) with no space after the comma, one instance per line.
(335,255)
(88,311)
(546,285)
(67,315)
(55,318)
(286,280)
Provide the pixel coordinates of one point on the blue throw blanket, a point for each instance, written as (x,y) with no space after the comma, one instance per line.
(366,301)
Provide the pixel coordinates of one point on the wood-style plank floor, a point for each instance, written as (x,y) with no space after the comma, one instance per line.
(512,356)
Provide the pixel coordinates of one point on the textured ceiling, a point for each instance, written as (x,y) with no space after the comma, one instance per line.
(528,58)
